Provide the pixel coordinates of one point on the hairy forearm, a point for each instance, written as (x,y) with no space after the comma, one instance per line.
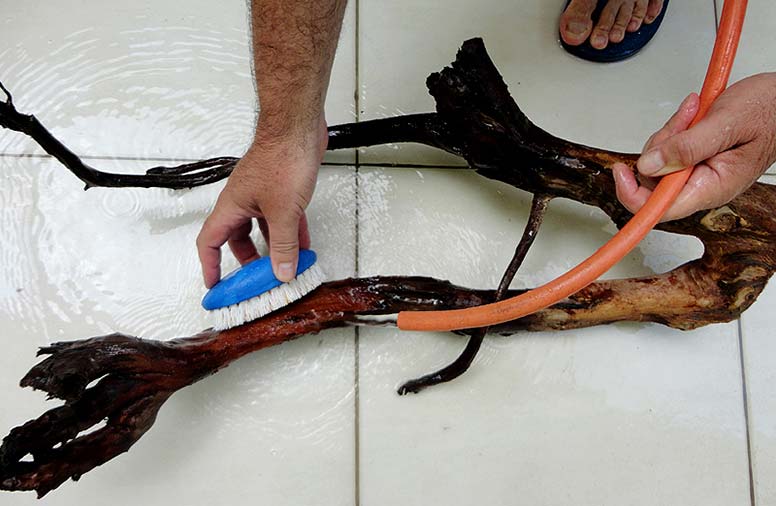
(294,42)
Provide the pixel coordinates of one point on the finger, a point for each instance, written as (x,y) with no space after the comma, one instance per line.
(712,135)
(304,233)
(704,190)
(639,12)
(215,232)
(621,22)
(678,122)
(284,247)
(241,244)
(629,192)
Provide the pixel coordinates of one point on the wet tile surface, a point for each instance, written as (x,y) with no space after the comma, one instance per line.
(600,415)
(79,264)
(145,79)
(623,414)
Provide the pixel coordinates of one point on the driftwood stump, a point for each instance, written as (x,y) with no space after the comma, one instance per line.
(476,119)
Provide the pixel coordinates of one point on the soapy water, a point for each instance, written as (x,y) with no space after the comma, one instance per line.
(99,254)
(129,253)
(77,264)
(137,97)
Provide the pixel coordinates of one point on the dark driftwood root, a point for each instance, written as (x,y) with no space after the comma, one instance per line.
(461,364)
(475,119)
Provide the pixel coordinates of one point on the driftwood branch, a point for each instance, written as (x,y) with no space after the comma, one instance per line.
(182,176)
(461,364)
(476,119)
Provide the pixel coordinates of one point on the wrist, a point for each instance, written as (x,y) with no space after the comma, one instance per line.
(299,132)
(288,124)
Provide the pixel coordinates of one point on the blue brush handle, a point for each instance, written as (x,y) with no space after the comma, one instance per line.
(250,280)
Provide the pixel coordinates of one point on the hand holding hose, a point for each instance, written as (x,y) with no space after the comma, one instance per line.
(732,146)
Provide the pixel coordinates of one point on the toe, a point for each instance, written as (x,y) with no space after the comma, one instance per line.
(621,22)
(653,10)
(576,22)
(600,37)
(639,11)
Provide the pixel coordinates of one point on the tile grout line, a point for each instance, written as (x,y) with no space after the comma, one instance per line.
(742,362)
(104,157)
(387,165)
(356,333)
(357,164)
(746,413)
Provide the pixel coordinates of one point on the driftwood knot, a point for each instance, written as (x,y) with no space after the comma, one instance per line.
(722,219)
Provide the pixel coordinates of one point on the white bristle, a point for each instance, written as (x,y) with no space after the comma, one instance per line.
(261,305)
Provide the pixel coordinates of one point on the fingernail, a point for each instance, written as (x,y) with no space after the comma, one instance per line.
(669,169)
(286,271)
(577,27)
(651,162)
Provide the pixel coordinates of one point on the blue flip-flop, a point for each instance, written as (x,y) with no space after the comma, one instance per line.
(630,45)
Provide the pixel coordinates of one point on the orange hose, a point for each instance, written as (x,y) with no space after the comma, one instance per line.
(725,46)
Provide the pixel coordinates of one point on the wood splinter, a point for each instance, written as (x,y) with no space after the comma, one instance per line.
(476,119)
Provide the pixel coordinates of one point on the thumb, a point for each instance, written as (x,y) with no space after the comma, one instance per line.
(712,135)
(284,247)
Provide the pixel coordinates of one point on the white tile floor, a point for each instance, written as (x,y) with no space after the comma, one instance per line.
(625,414)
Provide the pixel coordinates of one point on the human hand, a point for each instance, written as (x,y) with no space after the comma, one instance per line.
(732,146)
(273,183)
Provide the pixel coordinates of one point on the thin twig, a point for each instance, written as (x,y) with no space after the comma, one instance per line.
(167,177)
(9,100)
(223,162)
(461,364)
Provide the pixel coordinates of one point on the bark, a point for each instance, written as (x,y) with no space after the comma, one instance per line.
(476,119)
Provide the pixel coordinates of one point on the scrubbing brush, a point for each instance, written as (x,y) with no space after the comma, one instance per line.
(253,291)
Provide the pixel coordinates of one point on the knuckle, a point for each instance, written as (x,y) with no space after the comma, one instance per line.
(686,149)
(608,18)
(201,240)
(284,246)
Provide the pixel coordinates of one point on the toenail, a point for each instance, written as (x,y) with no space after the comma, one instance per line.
(633,25)
(649,19)
(577,27)
(599,39)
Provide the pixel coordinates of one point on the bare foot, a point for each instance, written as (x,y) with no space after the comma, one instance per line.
(619,16)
